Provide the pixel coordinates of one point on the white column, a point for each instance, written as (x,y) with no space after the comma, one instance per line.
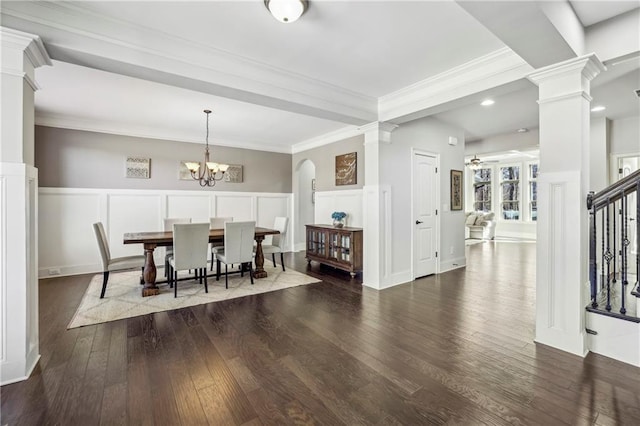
(563,183)
(376,207)
(19,346)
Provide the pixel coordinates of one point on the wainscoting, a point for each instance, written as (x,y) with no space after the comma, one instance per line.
(67,244)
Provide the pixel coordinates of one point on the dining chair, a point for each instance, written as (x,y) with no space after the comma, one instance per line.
(238,248)
(217,223)
(168,226)
(190,247)
(278,241)
(114,264)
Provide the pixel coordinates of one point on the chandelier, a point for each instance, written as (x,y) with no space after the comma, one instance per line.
(209,174)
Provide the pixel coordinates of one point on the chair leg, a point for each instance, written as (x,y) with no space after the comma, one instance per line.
(282,260)
(105,278)
(212,256)
(217,270)
(251,272)
(206,287)
(142,275)
(175,285)
(226,276)
(273,257)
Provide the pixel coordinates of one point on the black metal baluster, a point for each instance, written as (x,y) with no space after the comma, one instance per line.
(638,237)
(614,251)
(624,244)
(608,256)
(593,268)
(602,251)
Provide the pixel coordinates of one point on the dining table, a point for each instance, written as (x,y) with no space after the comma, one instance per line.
(151,240)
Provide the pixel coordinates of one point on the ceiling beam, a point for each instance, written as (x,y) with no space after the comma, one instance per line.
(541,33)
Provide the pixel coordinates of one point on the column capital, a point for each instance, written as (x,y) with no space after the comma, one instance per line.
(377,132)
(30,44)
(588,66)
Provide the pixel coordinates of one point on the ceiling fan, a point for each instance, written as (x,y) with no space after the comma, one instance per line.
(475,163)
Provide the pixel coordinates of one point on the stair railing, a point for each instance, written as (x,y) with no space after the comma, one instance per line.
(609,242)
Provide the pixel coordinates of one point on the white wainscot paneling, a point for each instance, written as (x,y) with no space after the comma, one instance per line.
(270,207)
(134,212)
(197,207)
(238,206)
(66,241)
(348,201)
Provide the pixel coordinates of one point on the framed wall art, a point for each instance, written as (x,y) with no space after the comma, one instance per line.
(456,189)
(347,169)
(139,168)
(183,172)
(233,173)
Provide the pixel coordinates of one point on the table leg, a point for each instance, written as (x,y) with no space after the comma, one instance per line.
(149,274)
(260,272)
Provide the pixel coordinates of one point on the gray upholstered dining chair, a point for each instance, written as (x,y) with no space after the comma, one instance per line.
(114,264)
(168,226)
(190,247)
(217,223)
(238,248)
(278,241)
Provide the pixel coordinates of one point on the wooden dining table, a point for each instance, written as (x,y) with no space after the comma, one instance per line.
(151,240)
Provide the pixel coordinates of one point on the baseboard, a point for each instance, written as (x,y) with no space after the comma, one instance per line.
(392,280)
(6,369)
(451,264)
(521,235)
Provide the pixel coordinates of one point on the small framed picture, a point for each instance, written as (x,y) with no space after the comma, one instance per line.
(138,168)
(456,189)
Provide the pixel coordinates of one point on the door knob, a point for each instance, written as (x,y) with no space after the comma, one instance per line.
(418,222)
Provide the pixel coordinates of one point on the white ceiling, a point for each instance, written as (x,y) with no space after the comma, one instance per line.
(270,85)
(591,12)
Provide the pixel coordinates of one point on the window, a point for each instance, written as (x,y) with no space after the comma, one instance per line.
(482,190)
(510,188)
(533,191)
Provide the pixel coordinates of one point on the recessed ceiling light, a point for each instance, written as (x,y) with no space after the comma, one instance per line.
(487,102)
(598,108)
(523,130)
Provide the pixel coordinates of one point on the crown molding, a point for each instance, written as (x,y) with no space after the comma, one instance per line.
(589,67)
(496,68)
(103,126)
(76,28)
(31,44)
(326,139)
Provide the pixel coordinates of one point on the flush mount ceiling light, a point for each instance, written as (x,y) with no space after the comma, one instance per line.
(487,102)
(286,11)
(523,130)
(598,108)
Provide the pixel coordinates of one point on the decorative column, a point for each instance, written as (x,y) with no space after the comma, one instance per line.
(562,282)
(19,346)
(376,207)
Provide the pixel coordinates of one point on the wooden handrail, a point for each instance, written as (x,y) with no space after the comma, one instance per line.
(614,191)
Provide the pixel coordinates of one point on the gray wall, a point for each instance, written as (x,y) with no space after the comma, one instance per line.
(625,135)
(80,159)
(324,158)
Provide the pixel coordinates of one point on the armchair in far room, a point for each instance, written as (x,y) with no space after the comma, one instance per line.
(481,225)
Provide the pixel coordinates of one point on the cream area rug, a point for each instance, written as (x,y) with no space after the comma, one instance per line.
(123,298)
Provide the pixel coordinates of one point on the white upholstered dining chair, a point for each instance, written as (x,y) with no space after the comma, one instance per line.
(168,226)
(190,247)
(217,223)
(238,248)
(277,241)
(114,264)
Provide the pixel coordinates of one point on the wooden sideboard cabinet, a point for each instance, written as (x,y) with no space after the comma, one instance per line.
(337,247)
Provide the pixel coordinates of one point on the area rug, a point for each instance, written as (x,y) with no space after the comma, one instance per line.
(123,298)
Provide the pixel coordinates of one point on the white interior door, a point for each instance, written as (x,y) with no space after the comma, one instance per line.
(424,219)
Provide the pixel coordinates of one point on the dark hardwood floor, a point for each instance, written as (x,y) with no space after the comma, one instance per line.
(456,348)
